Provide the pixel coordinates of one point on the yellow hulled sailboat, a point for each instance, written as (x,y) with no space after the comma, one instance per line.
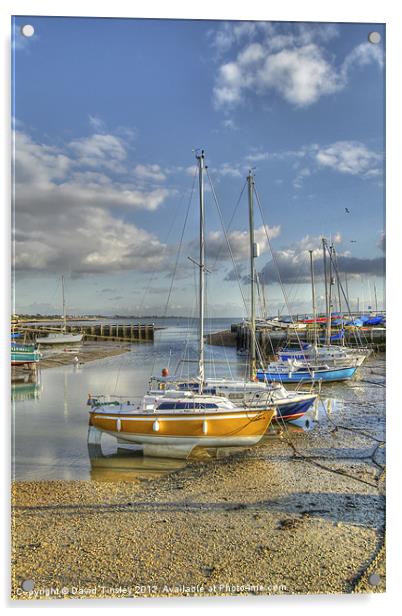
(181,421)
(174,424)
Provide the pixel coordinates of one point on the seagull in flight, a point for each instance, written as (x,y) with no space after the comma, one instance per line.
(353,241)
(347,211)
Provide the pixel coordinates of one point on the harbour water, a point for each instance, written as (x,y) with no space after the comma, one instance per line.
(50,416)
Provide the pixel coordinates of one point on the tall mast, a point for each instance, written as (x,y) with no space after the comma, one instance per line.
(337,278)
(64,306)
(327,295)
(253,255)
(375,299)
(201,167)
(313,297)
(330,282)
(325,277)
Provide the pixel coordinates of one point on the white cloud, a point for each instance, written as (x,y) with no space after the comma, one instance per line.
(239,241)
(89,240)
(149,172)
(294,262)
(99,150)
(291,62)
(65,218)
(228,169)
(349,157)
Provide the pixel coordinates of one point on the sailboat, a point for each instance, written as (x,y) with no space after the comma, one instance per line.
(289,405)
(312,363)
(173,424)
(62,338)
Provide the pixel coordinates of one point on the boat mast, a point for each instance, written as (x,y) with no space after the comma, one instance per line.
(337,278)
(64,306)
(326,290)
(201,375)
(253,255)
(313,298)
(330,283)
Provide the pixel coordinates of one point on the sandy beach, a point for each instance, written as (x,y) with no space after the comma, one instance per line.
(297,514)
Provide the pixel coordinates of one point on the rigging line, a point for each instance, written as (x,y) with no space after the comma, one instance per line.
(227,240)
(231,255)
(335,266)
(154,273)
(278,272)
(178,255)
(231,218)
(180,245)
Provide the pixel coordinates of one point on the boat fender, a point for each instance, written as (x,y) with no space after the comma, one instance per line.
(205,427)
(155,426)
(118,425)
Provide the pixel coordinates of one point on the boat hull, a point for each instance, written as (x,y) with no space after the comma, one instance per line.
(24,355)
(288,411)
(60,339)
(335,374)
(173,435)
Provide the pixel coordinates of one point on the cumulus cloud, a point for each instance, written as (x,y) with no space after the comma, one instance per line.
(293,263)
(217,249)
(228,169)
(350,157)
(289,60)
(99,150)
(149,172)
(66,215)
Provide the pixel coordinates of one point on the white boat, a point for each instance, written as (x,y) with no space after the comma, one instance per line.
(63,338)
(330,354)
(60,339)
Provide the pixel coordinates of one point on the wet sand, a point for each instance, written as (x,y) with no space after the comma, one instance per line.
(83,354)
(300,513)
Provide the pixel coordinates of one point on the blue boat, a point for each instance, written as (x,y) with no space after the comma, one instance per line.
(303,375)
(288,411)
(374,321)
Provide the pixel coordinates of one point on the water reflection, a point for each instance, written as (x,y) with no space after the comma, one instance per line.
(126,465)
(50,416)
(25,386)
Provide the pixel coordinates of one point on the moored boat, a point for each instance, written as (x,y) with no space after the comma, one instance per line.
(302,372)
(63,338)
(176,423)
(289,405)
(173,424)
(24,354)
(60,339)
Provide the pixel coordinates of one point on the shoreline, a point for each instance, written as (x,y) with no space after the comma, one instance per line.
(263,521)
(86,353)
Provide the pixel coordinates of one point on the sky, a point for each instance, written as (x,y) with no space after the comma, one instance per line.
(107,115)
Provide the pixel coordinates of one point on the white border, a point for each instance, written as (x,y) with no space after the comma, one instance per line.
(382,11)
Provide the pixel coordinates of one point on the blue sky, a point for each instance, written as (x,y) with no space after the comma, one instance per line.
(107,113)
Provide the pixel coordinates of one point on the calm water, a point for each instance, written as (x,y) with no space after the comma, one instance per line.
(51,416)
